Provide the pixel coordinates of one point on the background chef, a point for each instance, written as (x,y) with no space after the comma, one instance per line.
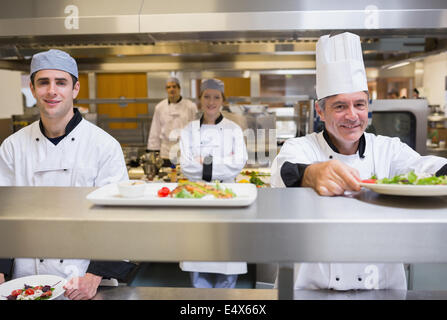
(171,115)
(212,148)
(335,160)
(61,149)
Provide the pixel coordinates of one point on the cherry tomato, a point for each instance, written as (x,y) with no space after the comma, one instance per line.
(29,292)
(164,192)
(17,292)
(369,181)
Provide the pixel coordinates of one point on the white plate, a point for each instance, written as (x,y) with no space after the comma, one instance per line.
(37,280)
(407,190)
(109,195)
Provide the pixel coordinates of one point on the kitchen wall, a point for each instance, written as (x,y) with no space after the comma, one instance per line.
(435,72)
(10,93)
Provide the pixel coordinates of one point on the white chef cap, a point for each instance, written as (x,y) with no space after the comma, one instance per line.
(54,59)
(340,67)
(215,84)
(173,79)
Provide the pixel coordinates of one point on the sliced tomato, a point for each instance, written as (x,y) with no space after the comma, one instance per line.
(46,294)
(164,192)
(29,292)
(17,292)
(369,181)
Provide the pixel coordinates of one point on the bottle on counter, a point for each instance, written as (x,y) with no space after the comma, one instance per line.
(173,173)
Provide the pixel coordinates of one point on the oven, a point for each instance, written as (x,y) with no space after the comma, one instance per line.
(402,118)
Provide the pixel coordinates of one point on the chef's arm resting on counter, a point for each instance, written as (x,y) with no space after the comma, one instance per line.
(327,178)
(331,178)
(84,288)
(87,285)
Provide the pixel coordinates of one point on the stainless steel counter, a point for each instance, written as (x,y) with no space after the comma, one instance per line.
(164,293)
(283,225)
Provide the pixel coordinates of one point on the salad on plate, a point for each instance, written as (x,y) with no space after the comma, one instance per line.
(410,178)
(197,190)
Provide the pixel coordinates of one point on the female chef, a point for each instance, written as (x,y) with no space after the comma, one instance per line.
(212,148)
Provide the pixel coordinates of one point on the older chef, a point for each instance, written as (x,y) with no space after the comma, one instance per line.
(61,149)
(212,148)
(171,115)
(335,160)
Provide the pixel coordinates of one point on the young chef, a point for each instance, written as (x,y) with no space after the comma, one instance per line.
(336,159)
(61,149)
(171,115)
(212,148)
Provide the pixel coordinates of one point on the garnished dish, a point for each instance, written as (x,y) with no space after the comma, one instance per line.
(32,293)
(410,178)
(36,287)
(196,190)
(409,184)
(254,178)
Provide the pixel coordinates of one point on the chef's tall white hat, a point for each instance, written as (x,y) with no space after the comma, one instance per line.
(340,67)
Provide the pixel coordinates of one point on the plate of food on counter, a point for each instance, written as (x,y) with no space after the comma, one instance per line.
(37,287)
(183,193)
(409,184)
(259,178)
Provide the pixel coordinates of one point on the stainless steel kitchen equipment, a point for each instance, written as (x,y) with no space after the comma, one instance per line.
(281,226)
(151,163)
(402,118)
(259,127)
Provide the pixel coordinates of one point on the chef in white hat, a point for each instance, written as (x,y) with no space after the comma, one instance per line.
(338,158)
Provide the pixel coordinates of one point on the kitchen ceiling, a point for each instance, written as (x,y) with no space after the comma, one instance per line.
(243,35)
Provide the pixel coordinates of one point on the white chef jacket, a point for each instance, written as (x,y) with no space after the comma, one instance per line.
(225,142)
(87,157)
(168,121)
(383,157)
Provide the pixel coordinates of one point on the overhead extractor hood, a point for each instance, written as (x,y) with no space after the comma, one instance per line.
(194,29)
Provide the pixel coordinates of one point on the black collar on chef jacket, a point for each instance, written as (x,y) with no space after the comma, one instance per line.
(219,119)
(75,120)
(361,148)
(179,99)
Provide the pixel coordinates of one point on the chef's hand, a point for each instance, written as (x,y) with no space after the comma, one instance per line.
(2,278)
(331,178)
(82,288)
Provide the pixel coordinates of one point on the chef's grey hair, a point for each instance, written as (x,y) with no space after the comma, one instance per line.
(322,101)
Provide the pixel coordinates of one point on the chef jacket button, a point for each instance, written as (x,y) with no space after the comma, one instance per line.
(41,260)
(37,139)
(65,169)
(330,157)
(72,139)
(337,279)
(61,261)
(359,279)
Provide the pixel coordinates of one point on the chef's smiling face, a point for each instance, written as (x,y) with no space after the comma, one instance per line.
(54,93)
(345,117)
(211,101)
